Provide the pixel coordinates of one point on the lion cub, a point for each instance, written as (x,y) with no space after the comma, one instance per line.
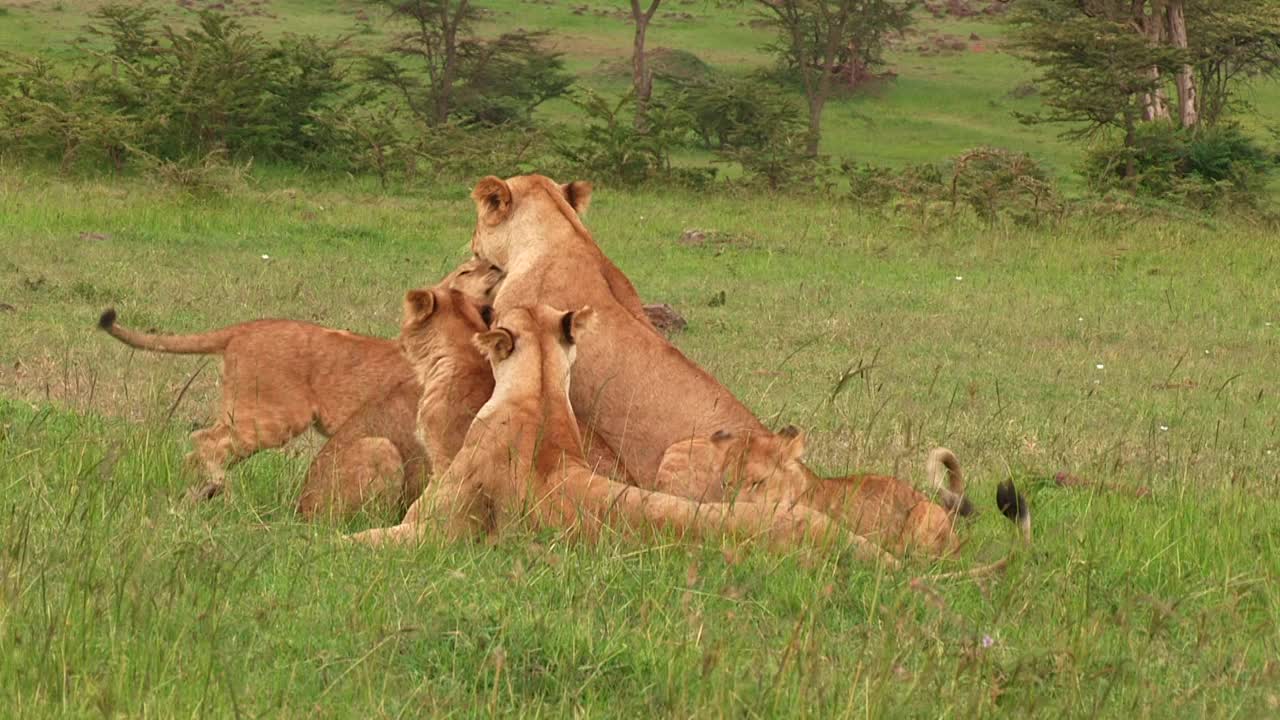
(767,468)
(522,460)
(280,377)
(381,452)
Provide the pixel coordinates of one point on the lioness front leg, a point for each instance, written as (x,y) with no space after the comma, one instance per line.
(454,507)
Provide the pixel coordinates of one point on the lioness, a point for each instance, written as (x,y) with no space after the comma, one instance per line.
(381,452)
(634,389)
(522,459)
(280,377)
(768,468)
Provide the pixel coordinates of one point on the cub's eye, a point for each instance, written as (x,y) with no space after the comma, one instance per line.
(464,272)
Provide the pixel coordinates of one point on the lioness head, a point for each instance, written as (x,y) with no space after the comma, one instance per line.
(438,321)
(476,278)
(534,339)
(762,467)
(508,209)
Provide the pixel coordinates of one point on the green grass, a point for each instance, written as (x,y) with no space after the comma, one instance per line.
(1129,348)
(115,598)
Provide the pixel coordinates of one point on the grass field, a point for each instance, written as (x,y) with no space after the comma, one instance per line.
(1128,348)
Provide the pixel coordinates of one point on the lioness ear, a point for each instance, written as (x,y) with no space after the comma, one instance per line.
(418,305)
(493,200)
(793,447)
(574,321)
(497,345)
(578,193)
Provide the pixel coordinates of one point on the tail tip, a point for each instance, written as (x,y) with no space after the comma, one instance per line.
(1011,502)
(107,319)
(965,509)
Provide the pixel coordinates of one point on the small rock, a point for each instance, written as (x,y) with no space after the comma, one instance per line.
(693,237)
(665,318)
(96,236)
(6,307)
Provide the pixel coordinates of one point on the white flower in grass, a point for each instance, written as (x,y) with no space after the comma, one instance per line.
(959,278)
(266,257)
(1100,366)
(1164,428)
(987,641)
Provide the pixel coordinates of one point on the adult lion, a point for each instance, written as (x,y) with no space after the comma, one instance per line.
(631,388)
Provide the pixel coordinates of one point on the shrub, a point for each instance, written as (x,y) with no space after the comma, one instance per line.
(1204,167)
(612,149)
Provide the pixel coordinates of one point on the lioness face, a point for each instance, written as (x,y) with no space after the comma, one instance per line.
(509,210)
(540,334)
(760,467)
(476,278)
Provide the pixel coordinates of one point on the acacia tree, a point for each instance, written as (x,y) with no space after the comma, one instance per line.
(436,28)
(1099,68)
(819,40)
(1232,42)
(641,78)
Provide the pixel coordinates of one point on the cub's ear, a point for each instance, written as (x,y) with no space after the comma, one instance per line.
(418,305)
(497,345)
(486,314)
(493,200)
(572,322)
(578,193)
(793,445)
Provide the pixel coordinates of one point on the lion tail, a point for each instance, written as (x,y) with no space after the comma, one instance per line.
(197,344)
(942,462)
(1013,505)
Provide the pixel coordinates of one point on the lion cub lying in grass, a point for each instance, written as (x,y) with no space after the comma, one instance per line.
(381,452)
(280,377)
(768,468)
(522,461)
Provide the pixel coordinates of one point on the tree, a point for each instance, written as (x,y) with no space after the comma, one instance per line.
(1175,17)
(437,26)
(1232,42)
(1099,68)
(641,78)
(819,40)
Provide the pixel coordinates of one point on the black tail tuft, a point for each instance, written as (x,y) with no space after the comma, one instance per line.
(966,507)
(108,319)
(1011,502)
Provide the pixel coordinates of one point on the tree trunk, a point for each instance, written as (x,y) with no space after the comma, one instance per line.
(1130,140)
(641,78)
(817,101)
(1155,105)
(1185,79)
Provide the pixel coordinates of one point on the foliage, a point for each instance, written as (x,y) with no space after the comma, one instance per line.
(613,149)
(731,113)
(443,72)
(1233,42)
(1095,65)
(992,182)
(822,40)
(1206,168)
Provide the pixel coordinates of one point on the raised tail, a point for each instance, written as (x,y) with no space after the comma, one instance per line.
(197,344)
(1014,506)
(951,493)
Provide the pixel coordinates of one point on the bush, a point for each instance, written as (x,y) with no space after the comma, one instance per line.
(1205,167)
(992,182)
(731,113)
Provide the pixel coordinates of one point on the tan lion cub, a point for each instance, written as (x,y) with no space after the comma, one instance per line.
(522,460)
(768,468)
(280,377)
(381,452)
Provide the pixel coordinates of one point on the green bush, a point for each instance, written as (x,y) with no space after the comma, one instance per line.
(1205,167)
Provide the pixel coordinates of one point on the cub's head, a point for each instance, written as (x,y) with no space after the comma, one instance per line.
(508,211)
(476,278)
(762,467)
(439,322)
(537,339)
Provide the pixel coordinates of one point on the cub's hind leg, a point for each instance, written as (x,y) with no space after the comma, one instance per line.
(343,479)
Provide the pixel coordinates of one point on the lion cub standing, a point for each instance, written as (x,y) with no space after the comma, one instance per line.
(280,377)
(522,460)
(381,452)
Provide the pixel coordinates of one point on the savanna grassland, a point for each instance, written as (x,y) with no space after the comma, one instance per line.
(1135,349)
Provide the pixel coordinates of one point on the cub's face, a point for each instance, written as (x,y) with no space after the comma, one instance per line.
(439,321)
(476,278)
